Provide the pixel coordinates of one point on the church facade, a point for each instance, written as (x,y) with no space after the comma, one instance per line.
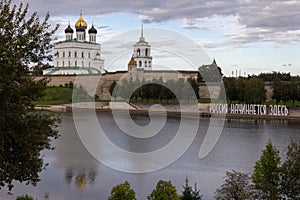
(75,56)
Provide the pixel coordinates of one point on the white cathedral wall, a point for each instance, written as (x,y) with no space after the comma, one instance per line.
(66,55)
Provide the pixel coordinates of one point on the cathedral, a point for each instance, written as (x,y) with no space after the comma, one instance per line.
(77,55)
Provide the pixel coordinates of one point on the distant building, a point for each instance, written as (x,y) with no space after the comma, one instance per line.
(76,55)
(141,58)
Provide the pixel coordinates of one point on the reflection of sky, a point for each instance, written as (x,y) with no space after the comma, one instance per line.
(238,148)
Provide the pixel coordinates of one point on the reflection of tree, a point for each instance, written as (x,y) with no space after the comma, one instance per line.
(68,175)
(80,177)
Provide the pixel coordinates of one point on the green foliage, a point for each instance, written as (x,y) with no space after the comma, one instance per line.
(122,192)
(266,173)
(285,91)
(273,75)
(290,172)
(24,133)
(188,193)
(255,91)
(164,191)
(155,89)
(237,186)
(25,197)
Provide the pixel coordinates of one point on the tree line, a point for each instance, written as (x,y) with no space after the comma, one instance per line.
(252,89)
(156,89)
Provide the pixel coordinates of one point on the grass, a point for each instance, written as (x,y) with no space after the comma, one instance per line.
(62,95)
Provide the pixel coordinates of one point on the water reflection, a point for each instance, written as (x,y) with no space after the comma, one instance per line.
(74,174)
(80,168)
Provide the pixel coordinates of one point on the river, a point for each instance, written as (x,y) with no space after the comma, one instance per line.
(74,174)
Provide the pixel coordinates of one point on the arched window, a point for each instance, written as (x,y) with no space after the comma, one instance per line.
(138,51)
(75,54)
(75,63)
(145,63)
(146,52)
(89,55)
(82,55)
(140,63)
(63,54)
(69,53)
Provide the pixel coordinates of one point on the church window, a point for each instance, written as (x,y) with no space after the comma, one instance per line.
(89,55)
(82,55)
(75,54)
(63,54)
(140,63)
(145,63)
(75,63)
(138,52)
(146,52)
(69,53)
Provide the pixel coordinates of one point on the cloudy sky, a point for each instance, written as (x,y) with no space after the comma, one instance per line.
(250,36)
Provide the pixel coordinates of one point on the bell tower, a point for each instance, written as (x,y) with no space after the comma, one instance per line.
(142,53)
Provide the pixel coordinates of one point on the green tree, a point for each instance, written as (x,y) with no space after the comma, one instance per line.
(164,191)
(240,86)
(230,88)
(188,193)
(255,91)
(266,173)
(194,84)
(25,197)
(290,172)
(111,88)
(122,192)
(277,89)
(237,186)
(24,42)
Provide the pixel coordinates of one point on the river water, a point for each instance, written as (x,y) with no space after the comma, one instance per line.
(74,174)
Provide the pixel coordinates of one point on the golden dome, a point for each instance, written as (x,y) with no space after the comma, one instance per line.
(81,22)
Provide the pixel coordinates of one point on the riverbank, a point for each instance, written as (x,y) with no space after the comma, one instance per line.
(169,109)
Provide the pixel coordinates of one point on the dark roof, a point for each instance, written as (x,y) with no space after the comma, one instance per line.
(92,30)
(80,29)
(69,29)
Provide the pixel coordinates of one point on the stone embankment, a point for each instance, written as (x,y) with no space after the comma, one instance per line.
(170,109)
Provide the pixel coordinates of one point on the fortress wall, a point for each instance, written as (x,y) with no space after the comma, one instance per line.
(101,83)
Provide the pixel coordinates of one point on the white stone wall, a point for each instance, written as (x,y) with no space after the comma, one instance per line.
(78,54)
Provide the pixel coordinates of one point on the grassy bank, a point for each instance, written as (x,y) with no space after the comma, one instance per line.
(62,95)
